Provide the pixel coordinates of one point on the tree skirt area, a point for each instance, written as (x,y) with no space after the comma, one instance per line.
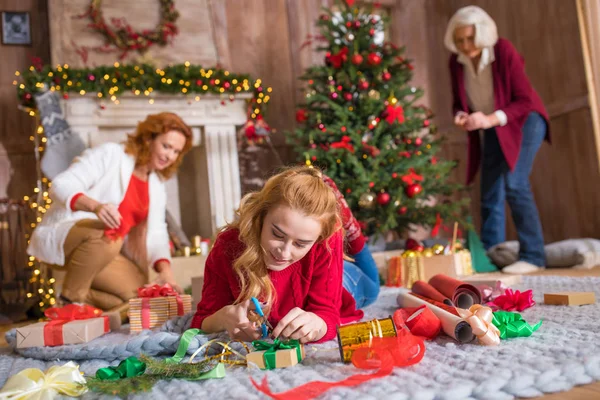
(563,353)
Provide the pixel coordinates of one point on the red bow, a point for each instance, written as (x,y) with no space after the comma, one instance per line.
(157,291)
(392,114)
(71,312)
(343,144)
(411,177)
(436,228)
(337,59)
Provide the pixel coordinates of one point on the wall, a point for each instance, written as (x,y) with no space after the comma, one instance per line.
(263,38)
(17,162)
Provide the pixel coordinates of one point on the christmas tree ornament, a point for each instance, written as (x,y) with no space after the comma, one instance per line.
(366,200)
(363,85)
(371,32)
(373,59)
(412,244)
(348,96)
(386,76)
(301,115)
(334,96)
(402,210)
(428,252)
(413,190)
(374,94)
(438,249)
(383,198)
(372,122)
(357,59)
(349,37)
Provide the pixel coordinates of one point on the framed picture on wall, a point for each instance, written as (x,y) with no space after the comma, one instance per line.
(16,29)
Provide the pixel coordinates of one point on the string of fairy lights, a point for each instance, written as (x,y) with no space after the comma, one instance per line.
(107,83)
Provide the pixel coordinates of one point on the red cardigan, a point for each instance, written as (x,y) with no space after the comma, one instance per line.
(513,94)
(313,283)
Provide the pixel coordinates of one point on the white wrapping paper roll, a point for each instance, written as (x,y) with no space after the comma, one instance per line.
(454,326)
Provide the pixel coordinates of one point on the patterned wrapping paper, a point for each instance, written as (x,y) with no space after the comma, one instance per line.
(152,312)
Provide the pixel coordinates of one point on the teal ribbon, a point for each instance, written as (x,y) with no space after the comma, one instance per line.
(184,344)
(271,348)
(512,325)
(128,368)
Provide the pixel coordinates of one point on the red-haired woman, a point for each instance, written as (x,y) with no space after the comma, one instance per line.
(106,226)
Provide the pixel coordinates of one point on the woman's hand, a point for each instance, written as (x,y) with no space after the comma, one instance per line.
(460,119)
(478,120)
(301,325)
(109,214)
(165,275)
(234,319)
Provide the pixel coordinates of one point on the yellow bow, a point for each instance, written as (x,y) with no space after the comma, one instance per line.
(480,319)
(33,384)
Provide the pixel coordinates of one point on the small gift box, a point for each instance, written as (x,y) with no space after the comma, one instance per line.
(155,305)
(71,324)
(277,354)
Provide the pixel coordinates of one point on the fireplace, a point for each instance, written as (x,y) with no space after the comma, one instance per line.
(206,191)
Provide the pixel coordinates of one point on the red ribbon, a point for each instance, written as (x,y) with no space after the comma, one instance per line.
(392,114)
(53,330)
(383,355)
(421,321)
(151,291)
(411,177)
(343,144)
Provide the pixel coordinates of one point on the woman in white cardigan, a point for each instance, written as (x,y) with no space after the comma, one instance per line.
(107,226)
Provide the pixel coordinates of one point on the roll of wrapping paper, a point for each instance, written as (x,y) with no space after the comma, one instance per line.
(462,294)
(360,334)
(424,289)
(452,325)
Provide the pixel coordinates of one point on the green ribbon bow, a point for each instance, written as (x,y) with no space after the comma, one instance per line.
(512,325)
(271,348)
(128,368)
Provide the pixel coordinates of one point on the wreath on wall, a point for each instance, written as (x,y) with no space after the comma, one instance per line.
(120,36)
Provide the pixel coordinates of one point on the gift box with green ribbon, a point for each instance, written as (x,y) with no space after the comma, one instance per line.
(277,354)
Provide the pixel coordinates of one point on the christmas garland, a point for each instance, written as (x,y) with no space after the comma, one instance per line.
(109,82)
(122,37)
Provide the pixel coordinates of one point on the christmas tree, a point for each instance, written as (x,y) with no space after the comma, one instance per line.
(363,125)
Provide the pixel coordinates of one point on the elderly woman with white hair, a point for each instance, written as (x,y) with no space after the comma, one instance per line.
(492,95)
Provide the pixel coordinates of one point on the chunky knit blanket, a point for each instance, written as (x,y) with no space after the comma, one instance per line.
(563,353)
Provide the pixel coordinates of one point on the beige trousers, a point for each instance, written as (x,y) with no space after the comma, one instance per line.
(96,271)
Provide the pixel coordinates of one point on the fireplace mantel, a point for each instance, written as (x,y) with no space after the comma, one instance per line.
(212,166)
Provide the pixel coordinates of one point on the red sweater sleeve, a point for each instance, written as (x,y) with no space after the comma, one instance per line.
(216,291)
(354,237)
(325,293)
(521,102)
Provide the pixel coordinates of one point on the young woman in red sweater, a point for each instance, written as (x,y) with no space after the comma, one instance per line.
(286,249)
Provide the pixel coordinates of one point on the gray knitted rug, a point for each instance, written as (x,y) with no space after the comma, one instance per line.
(563,353)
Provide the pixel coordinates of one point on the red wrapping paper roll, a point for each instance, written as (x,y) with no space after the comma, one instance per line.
(463,295)
(421,321)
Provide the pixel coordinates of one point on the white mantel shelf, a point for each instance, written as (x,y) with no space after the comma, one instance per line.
(214,126)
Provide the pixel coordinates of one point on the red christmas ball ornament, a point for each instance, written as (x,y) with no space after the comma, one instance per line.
(227,85)
(363,85)
(371,184)
(324,17)
(371,31)
(348,96)
(394,175)
(413,190)
(402,210)
(349,24)
(356,24)
(357,59)
(383,198)
(91,77)
(198,82)
(374,59)
(27,96)
(301,115)
(313,146)
(321,126)
(314,158)
(348,190)
(334,96)
(418,141)
(426,123)
(212,82)
(412,244)
(66,96)
(386,76)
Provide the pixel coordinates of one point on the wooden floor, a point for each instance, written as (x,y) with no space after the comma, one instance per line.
(586,392)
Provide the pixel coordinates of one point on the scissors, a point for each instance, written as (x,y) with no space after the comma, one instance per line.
(265,323)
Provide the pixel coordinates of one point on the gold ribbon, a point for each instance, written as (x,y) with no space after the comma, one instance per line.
(480,318)
(32,383)
(226,353)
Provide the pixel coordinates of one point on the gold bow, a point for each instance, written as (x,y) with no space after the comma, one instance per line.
(480,319)
(33,384)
